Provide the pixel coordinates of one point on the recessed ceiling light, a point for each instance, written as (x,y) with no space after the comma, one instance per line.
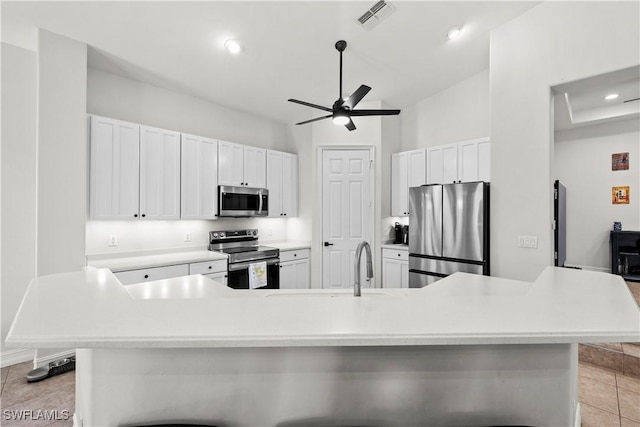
(454,32)
(611,96)
(232,46)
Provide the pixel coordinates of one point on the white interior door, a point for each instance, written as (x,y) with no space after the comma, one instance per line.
(346,214)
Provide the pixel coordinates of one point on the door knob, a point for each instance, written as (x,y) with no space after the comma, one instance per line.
(328,244)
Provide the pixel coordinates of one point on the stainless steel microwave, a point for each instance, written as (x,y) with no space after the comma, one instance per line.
(242,201)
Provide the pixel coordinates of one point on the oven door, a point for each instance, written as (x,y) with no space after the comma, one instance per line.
(242,201)
(238,277)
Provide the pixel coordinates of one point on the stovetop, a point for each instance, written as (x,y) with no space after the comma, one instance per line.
(240,245)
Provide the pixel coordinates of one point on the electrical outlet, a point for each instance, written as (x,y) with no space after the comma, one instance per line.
(187,236)
(530,242)
(113,240)
(270,232)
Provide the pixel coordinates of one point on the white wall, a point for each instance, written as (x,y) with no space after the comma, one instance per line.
(582,162)
(553,43)
(118,97)
(459,113)
(18,192)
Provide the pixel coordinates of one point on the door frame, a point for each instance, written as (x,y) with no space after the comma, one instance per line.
(317,227)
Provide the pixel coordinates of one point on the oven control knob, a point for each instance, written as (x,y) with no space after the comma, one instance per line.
(255,232)
(215,235)
(221,235)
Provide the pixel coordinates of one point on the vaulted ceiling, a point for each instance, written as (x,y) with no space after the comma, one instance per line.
(287,46)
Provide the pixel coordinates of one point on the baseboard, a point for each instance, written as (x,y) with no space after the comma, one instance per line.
(12,357)
(42,361)
(577,416)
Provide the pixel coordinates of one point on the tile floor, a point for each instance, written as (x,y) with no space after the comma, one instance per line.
(607,398)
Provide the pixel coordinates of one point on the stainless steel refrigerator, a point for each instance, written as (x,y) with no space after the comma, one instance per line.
(448,231)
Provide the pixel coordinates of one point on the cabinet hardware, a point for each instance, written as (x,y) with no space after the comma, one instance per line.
(328,244)
(135,215)
(146,276)
(143,215)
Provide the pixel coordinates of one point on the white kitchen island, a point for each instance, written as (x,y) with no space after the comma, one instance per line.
(467,350)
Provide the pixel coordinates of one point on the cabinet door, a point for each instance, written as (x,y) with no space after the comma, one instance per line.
(468,160)
(404,274)
(287,275)
(391,273)
(219,277)
(274,183)
(199,183)
(114,169)
(230,164)
(255,167)
(289,184)
(399,185)
(417,164)
(159,173)
(302,273)
(442,164)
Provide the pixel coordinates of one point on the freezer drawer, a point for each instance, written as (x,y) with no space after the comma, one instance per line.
(441,266)
(420,280)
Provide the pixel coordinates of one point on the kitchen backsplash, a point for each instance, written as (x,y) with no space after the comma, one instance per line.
(150,235)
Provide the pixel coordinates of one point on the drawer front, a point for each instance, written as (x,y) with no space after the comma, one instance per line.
(208,267)
(148,274)
(395,254)
(294,255)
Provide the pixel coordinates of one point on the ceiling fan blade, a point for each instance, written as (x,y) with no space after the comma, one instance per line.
(350,125)
(356,96)
(308,104)
(374,112)
(314,120)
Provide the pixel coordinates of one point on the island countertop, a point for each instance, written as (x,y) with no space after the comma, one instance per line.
(91,309)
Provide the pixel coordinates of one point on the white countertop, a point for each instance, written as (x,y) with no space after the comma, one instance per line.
(91,309)
(399,246)
(124,261)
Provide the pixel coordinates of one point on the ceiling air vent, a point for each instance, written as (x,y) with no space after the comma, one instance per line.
(375,15)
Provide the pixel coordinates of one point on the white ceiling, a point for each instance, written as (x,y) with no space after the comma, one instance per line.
(288,47)
(582,102)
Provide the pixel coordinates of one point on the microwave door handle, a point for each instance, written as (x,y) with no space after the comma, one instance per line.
(260,205)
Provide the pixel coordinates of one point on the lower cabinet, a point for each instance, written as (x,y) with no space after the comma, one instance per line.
(149,274)
(294,269)
(216,270)
(395,268)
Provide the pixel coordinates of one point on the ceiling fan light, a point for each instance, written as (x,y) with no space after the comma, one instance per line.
(340,119)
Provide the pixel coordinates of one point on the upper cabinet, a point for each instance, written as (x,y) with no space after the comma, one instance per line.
(135,171)
(199,183)
(114,169)
(282,183)
(241,165)
(466,161)
(159,173)
(408,169)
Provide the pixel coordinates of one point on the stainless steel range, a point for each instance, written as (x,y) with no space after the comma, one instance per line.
(245,254)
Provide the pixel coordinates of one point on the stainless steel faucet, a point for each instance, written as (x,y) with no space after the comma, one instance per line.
(356,285)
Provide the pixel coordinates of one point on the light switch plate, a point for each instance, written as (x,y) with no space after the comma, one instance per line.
(530,242)
(113,240)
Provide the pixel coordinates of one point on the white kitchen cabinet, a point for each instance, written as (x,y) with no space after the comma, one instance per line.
(442,164)
(241,165)
(215,270)
(130,277)
(408,169)
(474,159)
(395,268)
(135,171)
(199,183)
(114,169)
(282,183)
(295,269)
(159,173)
(466,161)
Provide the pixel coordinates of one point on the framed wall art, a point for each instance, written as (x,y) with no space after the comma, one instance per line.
(620,162)
(620,195)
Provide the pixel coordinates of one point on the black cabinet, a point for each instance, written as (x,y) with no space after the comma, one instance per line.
(625,254)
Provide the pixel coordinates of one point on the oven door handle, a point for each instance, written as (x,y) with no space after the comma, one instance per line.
(245,265)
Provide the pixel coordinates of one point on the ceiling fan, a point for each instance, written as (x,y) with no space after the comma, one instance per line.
(342,109)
